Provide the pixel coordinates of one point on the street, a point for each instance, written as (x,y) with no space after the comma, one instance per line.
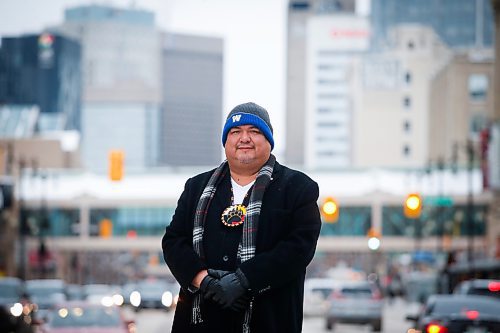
(155,321)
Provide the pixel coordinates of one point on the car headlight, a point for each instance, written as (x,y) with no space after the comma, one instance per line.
(135,298)
(107,301)
(16,310)
(167,299)
(118,299)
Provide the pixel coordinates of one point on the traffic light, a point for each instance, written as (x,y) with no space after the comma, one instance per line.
(373,239)
(105,228)
(330,210)
(116,158)
(413,206)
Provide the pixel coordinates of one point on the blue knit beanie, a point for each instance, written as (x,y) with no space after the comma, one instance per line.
(249,114)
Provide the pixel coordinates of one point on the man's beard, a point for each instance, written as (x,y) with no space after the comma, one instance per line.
(246,159)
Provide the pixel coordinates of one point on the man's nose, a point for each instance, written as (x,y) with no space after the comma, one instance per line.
(245,136)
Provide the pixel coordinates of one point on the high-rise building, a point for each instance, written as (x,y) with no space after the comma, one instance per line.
(152,95)
(43,70)
(121,52)
(299,14)
(393,93)
(371,82)
(192,79)
(334,45)
(458,23)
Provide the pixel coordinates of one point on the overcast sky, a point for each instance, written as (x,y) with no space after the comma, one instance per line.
(253,30)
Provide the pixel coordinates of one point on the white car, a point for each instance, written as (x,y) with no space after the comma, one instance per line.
(357,302)
(316,293)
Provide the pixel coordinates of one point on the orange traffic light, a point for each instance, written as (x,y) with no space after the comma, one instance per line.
(374,237)
(105,228)
(116,158)
(330,210)
(413,206)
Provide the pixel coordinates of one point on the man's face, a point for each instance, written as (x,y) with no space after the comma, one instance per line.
(246,145)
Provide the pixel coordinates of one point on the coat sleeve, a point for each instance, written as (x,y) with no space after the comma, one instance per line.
(291,255)
(177,242)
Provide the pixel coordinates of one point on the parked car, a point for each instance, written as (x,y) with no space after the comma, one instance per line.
(74,292)
(44,293)
(84,317)
(316,292)
(15,310)
(457,314)
(127,290)
(480,287)
(156,294)
(357,302)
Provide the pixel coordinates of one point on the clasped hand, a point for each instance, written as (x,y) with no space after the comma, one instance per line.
(228,289)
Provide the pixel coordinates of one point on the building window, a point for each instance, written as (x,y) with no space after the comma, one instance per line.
(478,87)
(411,45)
(407,126)
(406,150)
(407,102)
(408,78)
(477,123)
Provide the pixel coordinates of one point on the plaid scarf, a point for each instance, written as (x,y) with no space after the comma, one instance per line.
(246,248)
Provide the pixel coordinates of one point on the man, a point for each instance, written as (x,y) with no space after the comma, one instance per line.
(242,236)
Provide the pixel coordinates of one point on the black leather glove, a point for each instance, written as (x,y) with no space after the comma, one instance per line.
(207,287)
(217,273)
(228,290)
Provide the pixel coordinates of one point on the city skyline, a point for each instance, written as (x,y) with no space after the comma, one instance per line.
(255,53)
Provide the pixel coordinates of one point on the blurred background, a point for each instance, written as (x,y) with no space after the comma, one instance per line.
(392,106)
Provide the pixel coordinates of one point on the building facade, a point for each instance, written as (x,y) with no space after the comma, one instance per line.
(389,91)
(334,45)
(458,23)
(192,77)
(299,13)
(121,95)
(393,113)
(43,70)
(461,105)
(78,205)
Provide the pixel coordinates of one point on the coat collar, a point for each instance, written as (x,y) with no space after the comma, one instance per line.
(224,188)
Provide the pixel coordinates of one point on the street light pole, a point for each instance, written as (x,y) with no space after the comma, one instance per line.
(439,217)
(23,227)
(470,202)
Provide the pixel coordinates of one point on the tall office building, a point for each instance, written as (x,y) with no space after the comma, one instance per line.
(43,70)
(458,23)
(334,45)
(192,79)
(299,14)
(121,88)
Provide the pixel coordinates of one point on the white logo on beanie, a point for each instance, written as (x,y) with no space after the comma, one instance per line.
(236,118)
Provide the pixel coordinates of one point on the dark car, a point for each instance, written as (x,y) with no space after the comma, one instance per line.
(458,314)
(355,302)
(86,317)
(480,287)
(15,311)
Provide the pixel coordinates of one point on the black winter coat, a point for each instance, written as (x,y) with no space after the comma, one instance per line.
(288,230)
